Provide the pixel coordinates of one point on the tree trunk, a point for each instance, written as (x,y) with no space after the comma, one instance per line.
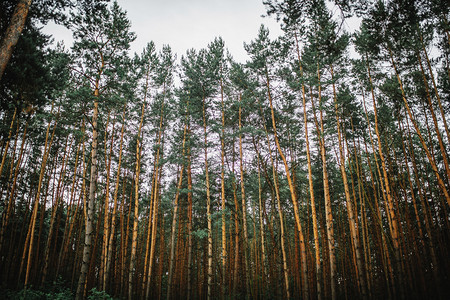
(310,181)
(5,217)
(155,203)
(109,240)
(47,147)
(5,149)
(390,207)
(136,206)
(279,208)
(104,252)
(174,222)
(53,215)
(189,180)
(222,193)
(208,207)
(89,211)
(326,188)
(12,33)
(244,205)
(422,141)
(351,211)
(71,218)
(261,224)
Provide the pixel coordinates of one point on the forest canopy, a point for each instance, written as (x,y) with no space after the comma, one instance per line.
(317,169)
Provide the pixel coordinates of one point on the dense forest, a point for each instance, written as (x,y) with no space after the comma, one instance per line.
(317,169)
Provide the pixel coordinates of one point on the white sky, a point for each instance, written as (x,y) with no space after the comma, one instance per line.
(185,24)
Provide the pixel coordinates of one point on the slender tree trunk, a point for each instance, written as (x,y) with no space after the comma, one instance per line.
(149,230)
(110,238)
(279,208)
(161,258)
(54,213)
(326,188)
(261,224)
(106,224)
(222,193)
(244,206)
(174,222)
(293,195)
(236,228)
(155,202)
(433,80)
(310,181)
(422,141)
(189,180)
(382,244)
(89,210)
(71,218)
(5,149)
(390,205)
(136,206)
(351,211)
(435,121)
(10,206)
(208,207)
(428,223)
(47,148)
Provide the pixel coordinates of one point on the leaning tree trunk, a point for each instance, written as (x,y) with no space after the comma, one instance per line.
(421,139)
(47,147)
(280,211)
(391,212)
(351,211)
(293,196)
(12,33)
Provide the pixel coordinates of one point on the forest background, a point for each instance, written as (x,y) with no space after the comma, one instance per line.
(303,172)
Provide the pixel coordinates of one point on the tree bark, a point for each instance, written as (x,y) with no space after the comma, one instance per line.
(310,181)
(47,147)
(243,203)
(208,207)
(326,188)
(12,33)
(109,240)
(416,127)
(293,195)
(89,211)
(136,205)
(222,192)
(174,222)
(351,211)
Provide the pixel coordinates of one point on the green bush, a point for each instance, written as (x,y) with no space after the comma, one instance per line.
(95,294)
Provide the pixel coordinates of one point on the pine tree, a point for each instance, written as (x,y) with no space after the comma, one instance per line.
(96,59)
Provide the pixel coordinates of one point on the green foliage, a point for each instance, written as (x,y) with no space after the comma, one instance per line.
(95,294)
(56,290)
(27,294)
(200,233)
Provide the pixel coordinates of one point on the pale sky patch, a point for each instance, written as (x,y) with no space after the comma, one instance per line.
(186,24)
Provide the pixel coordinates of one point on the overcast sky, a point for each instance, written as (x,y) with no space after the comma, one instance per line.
(185,24)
